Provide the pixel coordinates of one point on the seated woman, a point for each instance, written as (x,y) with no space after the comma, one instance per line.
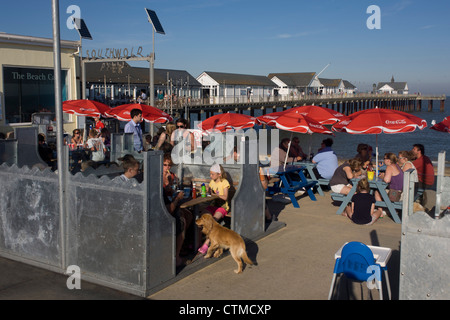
(340,182)
(77,139)
(394,176)
(364,155)
(183,217)
(296,150)
(278,157)
(362,209)
(405,159)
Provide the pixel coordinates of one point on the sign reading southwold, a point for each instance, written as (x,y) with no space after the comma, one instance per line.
(112,53)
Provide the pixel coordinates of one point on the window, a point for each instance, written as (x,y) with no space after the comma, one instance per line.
(30,90)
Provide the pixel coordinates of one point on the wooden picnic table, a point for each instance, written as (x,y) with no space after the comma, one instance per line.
(291,180)
(375,184)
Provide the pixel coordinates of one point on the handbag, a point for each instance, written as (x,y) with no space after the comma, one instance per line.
(394,195)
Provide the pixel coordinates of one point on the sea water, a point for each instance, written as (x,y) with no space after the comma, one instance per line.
(345,144)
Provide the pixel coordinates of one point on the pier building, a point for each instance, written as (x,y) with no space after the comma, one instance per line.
(26,78)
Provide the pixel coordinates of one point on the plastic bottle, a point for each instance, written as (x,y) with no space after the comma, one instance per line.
(203,190)
(194,191)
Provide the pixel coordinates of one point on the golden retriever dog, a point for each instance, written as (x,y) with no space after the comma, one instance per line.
(223,238)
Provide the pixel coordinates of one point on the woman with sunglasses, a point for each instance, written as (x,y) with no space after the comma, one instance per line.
(76,137)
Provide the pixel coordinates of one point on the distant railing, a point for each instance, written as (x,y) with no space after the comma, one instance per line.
(181,103)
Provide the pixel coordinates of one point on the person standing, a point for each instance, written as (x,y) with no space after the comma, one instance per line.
(99,125)
(96,146)
(134,127)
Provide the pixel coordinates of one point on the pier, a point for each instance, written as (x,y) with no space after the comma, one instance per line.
(345,104)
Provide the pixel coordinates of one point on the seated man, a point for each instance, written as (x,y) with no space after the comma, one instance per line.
(326,161)
(424,167)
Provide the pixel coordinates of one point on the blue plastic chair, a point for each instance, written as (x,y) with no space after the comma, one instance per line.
(357,262)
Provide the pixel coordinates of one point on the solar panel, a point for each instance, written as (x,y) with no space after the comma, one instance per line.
(155,21)
(82,28)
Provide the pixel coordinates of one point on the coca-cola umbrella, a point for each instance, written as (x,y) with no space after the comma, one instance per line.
(319,114)
(322,115)
(88,108)
(443,126)
(376,121)
(227,121)
(293,122)
(149,113)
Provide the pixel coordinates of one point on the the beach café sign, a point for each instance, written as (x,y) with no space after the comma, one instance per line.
(113,53)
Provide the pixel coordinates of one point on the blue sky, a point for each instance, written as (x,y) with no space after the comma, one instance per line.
(260,37)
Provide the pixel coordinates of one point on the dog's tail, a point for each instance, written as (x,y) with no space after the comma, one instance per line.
(245,257)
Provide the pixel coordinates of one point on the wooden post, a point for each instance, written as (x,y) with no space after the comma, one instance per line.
(442,107)
(430,105)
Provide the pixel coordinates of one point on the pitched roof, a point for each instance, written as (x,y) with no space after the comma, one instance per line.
(394,85)
(330,82)
(348,85)
(240,79)
(301,79)
(117,72)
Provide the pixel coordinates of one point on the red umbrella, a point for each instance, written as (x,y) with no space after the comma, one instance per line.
(295,122)
(87,108)
(227,121)
(443,126)
(149,113)
(376,121)
(319,114)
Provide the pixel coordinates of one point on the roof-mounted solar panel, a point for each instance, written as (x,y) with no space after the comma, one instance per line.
(153,18)
(82,29)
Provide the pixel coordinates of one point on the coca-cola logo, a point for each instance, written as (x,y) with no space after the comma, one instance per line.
(395,121)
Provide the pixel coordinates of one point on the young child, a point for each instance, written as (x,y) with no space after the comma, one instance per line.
(362,209)
(96,145)
(130,169)
(219,208)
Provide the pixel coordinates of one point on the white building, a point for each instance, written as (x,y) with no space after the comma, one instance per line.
(332,86)
(393,87)
(219,87)
(295,85)
(349,88)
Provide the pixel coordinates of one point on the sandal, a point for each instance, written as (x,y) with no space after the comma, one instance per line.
(203,249)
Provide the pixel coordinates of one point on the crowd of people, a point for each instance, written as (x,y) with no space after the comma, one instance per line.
(362,209)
